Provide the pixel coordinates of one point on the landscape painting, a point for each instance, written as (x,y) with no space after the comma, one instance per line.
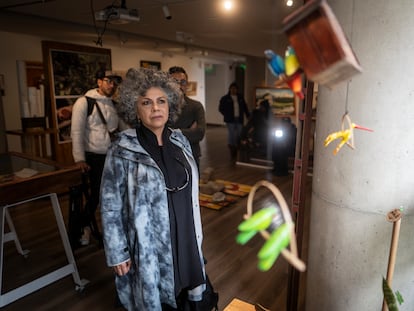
(281,100)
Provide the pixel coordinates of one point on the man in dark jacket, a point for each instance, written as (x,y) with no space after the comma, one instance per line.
(233,107)
(191,121)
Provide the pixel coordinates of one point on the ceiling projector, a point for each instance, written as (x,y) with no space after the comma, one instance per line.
(116,15)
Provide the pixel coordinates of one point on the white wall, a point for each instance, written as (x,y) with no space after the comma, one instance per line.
(217,82)
(28,48)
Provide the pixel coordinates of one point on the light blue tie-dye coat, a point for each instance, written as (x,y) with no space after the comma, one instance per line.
(136,226)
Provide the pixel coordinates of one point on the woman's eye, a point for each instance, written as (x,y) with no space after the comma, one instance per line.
(146,102)
(162,101)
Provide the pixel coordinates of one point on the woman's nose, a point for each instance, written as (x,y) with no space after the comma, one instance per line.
(154,106)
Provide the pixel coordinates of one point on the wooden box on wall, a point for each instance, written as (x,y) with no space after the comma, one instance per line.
(321,46)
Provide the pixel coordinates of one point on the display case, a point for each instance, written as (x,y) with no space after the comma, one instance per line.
(23,176)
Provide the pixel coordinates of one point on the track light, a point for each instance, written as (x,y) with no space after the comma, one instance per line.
(166,11)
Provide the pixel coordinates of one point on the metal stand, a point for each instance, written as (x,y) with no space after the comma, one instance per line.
(28,288)
(12,236)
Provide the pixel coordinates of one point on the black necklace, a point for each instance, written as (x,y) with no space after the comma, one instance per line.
(187,176)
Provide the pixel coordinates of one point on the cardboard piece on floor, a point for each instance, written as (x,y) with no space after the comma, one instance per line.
(239,305)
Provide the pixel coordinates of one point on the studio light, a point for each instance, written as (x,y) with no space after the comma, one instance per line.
(278,133)
(166,11)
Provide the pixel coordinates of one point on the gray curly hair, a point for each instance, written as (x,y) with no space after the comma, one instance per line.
(136,84)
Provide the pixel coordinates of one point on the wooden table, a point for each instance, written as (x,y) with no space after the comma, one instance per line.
(51,179)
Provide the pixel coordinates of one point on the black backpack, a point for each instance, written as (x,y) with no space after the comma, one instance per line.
(92,103)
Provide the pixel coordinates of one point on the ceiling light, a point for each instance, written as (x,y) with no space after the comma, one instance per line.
(228,5)
(289,2)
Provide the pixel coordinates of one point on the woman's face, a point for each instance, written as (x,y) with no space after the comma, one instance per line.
(153,109)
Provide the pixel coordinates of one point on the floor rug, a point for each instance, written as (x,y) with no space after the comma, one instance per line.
(233,191)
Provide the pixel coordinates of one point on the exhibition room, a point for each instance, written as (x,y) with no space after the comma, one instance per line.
(206,155)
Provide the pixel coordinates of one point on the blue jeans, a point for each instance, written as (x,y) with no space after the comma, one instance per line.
(234,131)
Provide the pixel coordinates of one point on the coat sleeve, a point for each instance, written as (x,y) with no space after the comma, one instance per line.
(196,134)
(78,125)
(113,201)
(221,105)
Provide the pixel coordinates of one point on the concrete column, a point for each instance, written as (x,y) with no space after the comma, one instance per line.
(354,190)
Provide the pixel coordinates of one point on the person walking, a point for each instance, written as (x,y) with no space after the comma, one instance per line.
(150,211)
(191,120)
(233,107)
(93,120)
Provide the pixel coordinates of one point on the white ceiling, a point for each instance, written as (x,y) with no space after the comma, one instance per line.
(254,26)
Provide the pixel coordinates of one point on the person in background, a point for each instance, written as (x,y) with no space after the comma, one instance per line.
(233,107)
(191,120)
(256,130)
(150,212)
(271,137)
(91,136)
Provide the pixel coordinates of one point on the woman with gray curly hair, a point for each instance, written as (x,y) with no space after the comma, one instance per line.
(149,201)
(137,83)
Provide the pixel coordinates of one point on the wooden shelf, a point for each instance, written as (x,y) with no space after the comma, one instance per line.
(33,140)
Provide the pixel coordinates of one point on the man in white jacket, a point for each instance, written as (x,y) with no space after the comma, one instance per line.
(90,131)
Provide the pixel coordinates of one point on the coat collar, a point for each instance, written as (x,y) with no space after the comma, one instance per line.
(128,140)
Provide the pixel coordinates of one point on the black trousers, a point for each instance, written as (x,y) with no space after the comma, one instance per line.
(96,163)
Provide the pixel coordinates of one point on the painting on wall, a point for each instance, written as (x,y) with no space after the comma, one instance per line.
(191,89)
(281,100)
(150,64)
(70,71)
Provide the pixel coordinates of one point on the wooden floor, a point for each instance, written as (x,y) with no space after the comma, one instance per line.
(231,267)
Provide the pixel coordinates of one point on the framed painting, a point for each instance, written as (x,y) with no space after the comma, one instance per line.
(191,89)
(70,72)
(150,64)
(281,100)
